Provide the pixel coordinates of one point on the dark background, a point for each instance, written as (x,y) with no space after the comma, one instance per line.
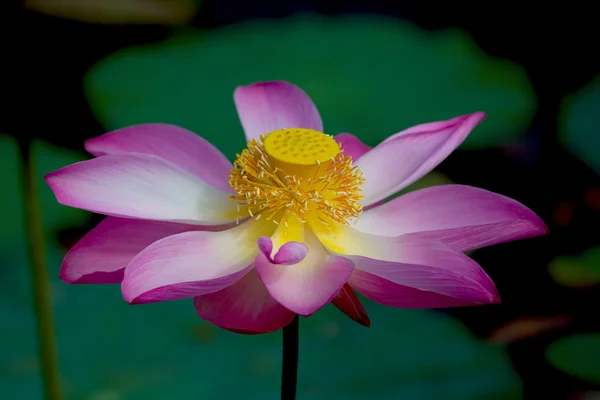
(46,62)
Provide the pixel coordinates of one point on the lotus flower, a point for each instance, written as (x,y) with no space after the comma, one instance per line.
(299,220)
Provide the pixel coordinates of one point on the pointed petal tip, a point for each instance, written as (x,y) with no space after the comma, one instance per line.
(364,320)
(496,299)
(127,296)
(348,302)
(50,179)
(479,116)
(64,276)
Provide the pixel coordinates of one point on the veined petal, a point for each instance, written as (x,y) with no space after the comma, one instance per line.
(310,284)
(192,263)
(407,156)
(103,253)
(384,290)
(172,143)
(417,263)
(351,145)
(347,302)
(268,106)
(244,306)
(463,217)
(141,186)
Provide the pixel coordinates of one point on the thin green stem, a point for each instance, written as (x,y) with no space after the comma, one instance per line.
(289,364)
(39,277)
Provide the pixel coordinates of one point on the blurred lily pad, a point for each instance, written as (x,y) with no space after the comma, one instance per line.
(164,351)
(577,355)
(369,75)
(581,271)
(580,124)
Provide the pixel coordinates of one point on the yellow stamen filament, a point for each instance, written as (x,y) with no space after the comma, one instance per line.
(298,172)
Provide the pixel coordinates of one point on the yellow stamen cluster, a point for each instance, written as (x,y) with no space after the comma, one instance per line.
(297,172)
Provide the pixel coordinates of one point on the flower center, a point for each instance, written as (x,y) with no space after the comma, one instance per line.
(296,172)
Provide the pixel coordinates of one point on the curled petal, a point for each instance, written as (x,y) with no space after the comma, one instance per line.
(308,285)
(192,264)
(268,106)
(288,254)
(172,143)
(244,307)
(351,145)
(140,186)
(407,156)
(347,302)
(463,217)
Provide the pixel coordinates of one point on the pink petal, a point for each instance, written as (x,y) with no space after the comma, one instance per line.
(190,264)
(347,302)
(245,306)
(103,253)
(310,284)
(415,272)
(140,186)
(351,145)
(407,156)
(386,292)
(463,217)
(172,143)
(269,106)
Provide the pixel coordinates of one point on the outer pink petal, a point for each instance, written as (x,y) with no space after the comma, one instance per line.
(244,306)
(408,265)
(351,145)
(403,159)
(172,143)
(389,293)
(103,253)
(310,284)
(422,264)
(347,302)
(268,106)
(464,217)
(190,264)
(140,186)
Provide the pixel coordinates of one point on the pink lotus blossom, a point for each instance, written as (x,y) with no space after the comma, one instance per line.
(282,231)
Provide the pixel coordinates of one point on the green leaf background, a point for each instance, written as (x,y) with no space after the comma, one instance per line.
(580,124)
(577,355)
(370,76)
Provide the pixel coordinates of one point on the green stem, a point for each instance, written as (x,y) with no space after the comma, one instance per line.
(289,364)
(39,276)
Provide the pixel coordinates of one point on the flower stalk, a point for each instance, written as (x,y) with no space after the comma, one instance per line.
(289,370)
(39,276)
